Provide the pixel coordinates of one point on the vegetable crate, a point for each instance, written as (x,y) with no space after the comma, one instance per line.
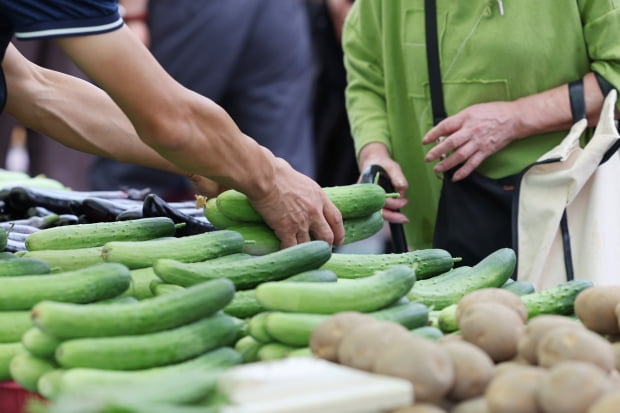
(13,397)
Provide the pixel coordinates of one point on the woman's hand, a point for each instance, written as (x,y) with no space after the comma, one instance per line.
(377,154)
(472,135)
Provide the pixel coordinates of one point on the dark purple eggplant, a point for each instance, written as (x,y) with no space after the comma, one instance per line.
(154,206)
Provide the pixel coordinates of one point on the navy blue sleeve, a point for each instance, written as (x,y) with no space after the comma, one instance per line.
(35,19)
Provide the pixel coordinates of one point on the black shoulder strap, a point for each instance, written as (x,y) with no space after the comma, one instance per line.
(577,100)
(432,57)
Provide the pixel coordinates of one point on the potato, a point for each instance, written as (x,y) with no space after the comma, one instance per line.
(493,327)
(420,408)
(572,387)
(495,295)
(596,308)
(326,337)
(535,329)
(425,363)
(362,344)
(514,391)
(608,403)
(473,369)
(569,343)
(475,405)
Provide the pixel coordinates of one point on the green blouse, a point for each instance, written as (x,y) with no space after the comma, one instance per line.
(485,56)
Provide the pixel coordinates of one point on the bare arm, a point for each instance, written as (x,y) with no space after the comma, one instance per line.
(481,130)
(197,135)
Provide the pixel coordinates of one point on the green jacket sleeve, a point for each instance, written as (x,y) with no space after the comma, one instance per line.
(365,91)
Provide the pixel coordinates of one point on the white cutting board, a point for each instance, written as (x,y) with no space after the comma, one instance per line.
(310,385)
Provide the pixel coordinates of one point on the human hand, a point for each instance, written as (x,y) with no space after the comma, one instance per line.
(472,135)
(298,210)
(338,10)
(205,186)
(377,154)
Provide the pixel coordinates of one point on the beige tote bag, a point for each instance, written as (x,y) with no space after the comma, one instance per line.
(569,209)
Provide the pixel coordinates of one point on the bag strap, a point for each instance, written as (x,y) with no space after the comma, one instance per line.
(432,59)
(577,100)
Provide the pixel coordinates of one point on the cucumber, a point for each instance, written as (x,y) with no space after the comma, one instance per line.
(79,378)
(295,329)
(148,350)
(215,216)
(85,285)
(353,201)
(274,351)
(49,383)
(244,304)
(446,319)
(519,287)
(452,274)
(3,239)
(7,352)
(161,288)
(357,229)
(246,274)
(257,328)
(430,332)
(13,324)
(5,255)
(191,248)
(426,263)
(26,369)
(492,271)
(66,321)
(98,233)
(248,347)
(260,239)
(140,286)
(365,294)
(40,344)
(68,259)
(23,266)
(558,299)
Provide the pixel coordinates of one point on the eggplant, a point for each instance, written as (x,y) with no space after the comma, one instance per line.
(154,206)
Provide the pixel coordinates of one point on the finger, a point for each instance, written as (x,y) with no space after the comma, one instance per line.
(394,217)
(331,226)
(303,236)
(287,240)
(395,203)
(461,155)
(444,128)
(451,143)
(472,163)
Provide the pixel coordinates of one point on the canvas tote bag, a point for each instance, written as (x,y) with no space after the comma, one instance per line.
(568,214)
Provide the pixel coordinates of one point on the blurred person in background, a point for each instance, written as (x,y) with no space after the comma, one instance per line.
(254,58)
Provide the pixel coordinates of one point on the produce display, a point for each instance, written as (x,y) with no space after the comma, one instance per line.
(120,301)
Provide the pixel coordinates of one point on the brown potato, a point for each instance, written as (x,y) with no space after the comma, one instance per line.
(535,329)
(514,391)
(493,327)
(362,344)
(326,337)
(420,408)
(423,362)
(596,308)
(495,295)
(473,369)
(608,403)
(475,405)
(580,344)
(572,387)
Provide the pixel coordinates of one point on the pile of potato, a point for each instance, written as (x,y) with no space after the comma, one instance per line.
(499,361)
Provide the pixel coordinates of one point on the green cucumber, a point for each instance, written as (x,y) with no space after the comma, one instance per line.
(426,263)
(248,346)
(151,349)
(260,239)
(295,329)
(430,332)
(558,299)
(274,351)
(244,304)
(40,343)
(450,275)
(68,259)
(79,378)
(215,216)
(13,324)
(491,271)
(26,370)
(246,274)
(353,201)
(519,287)
(64,320)
(4,237)
(446,319)
(140,286)
(257,328)
(98,233)
(357,229)
(365,294)
(23,266)
(160,288)
(7,352)
(85,285)
(191,248)
(5,255)
(49,383)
